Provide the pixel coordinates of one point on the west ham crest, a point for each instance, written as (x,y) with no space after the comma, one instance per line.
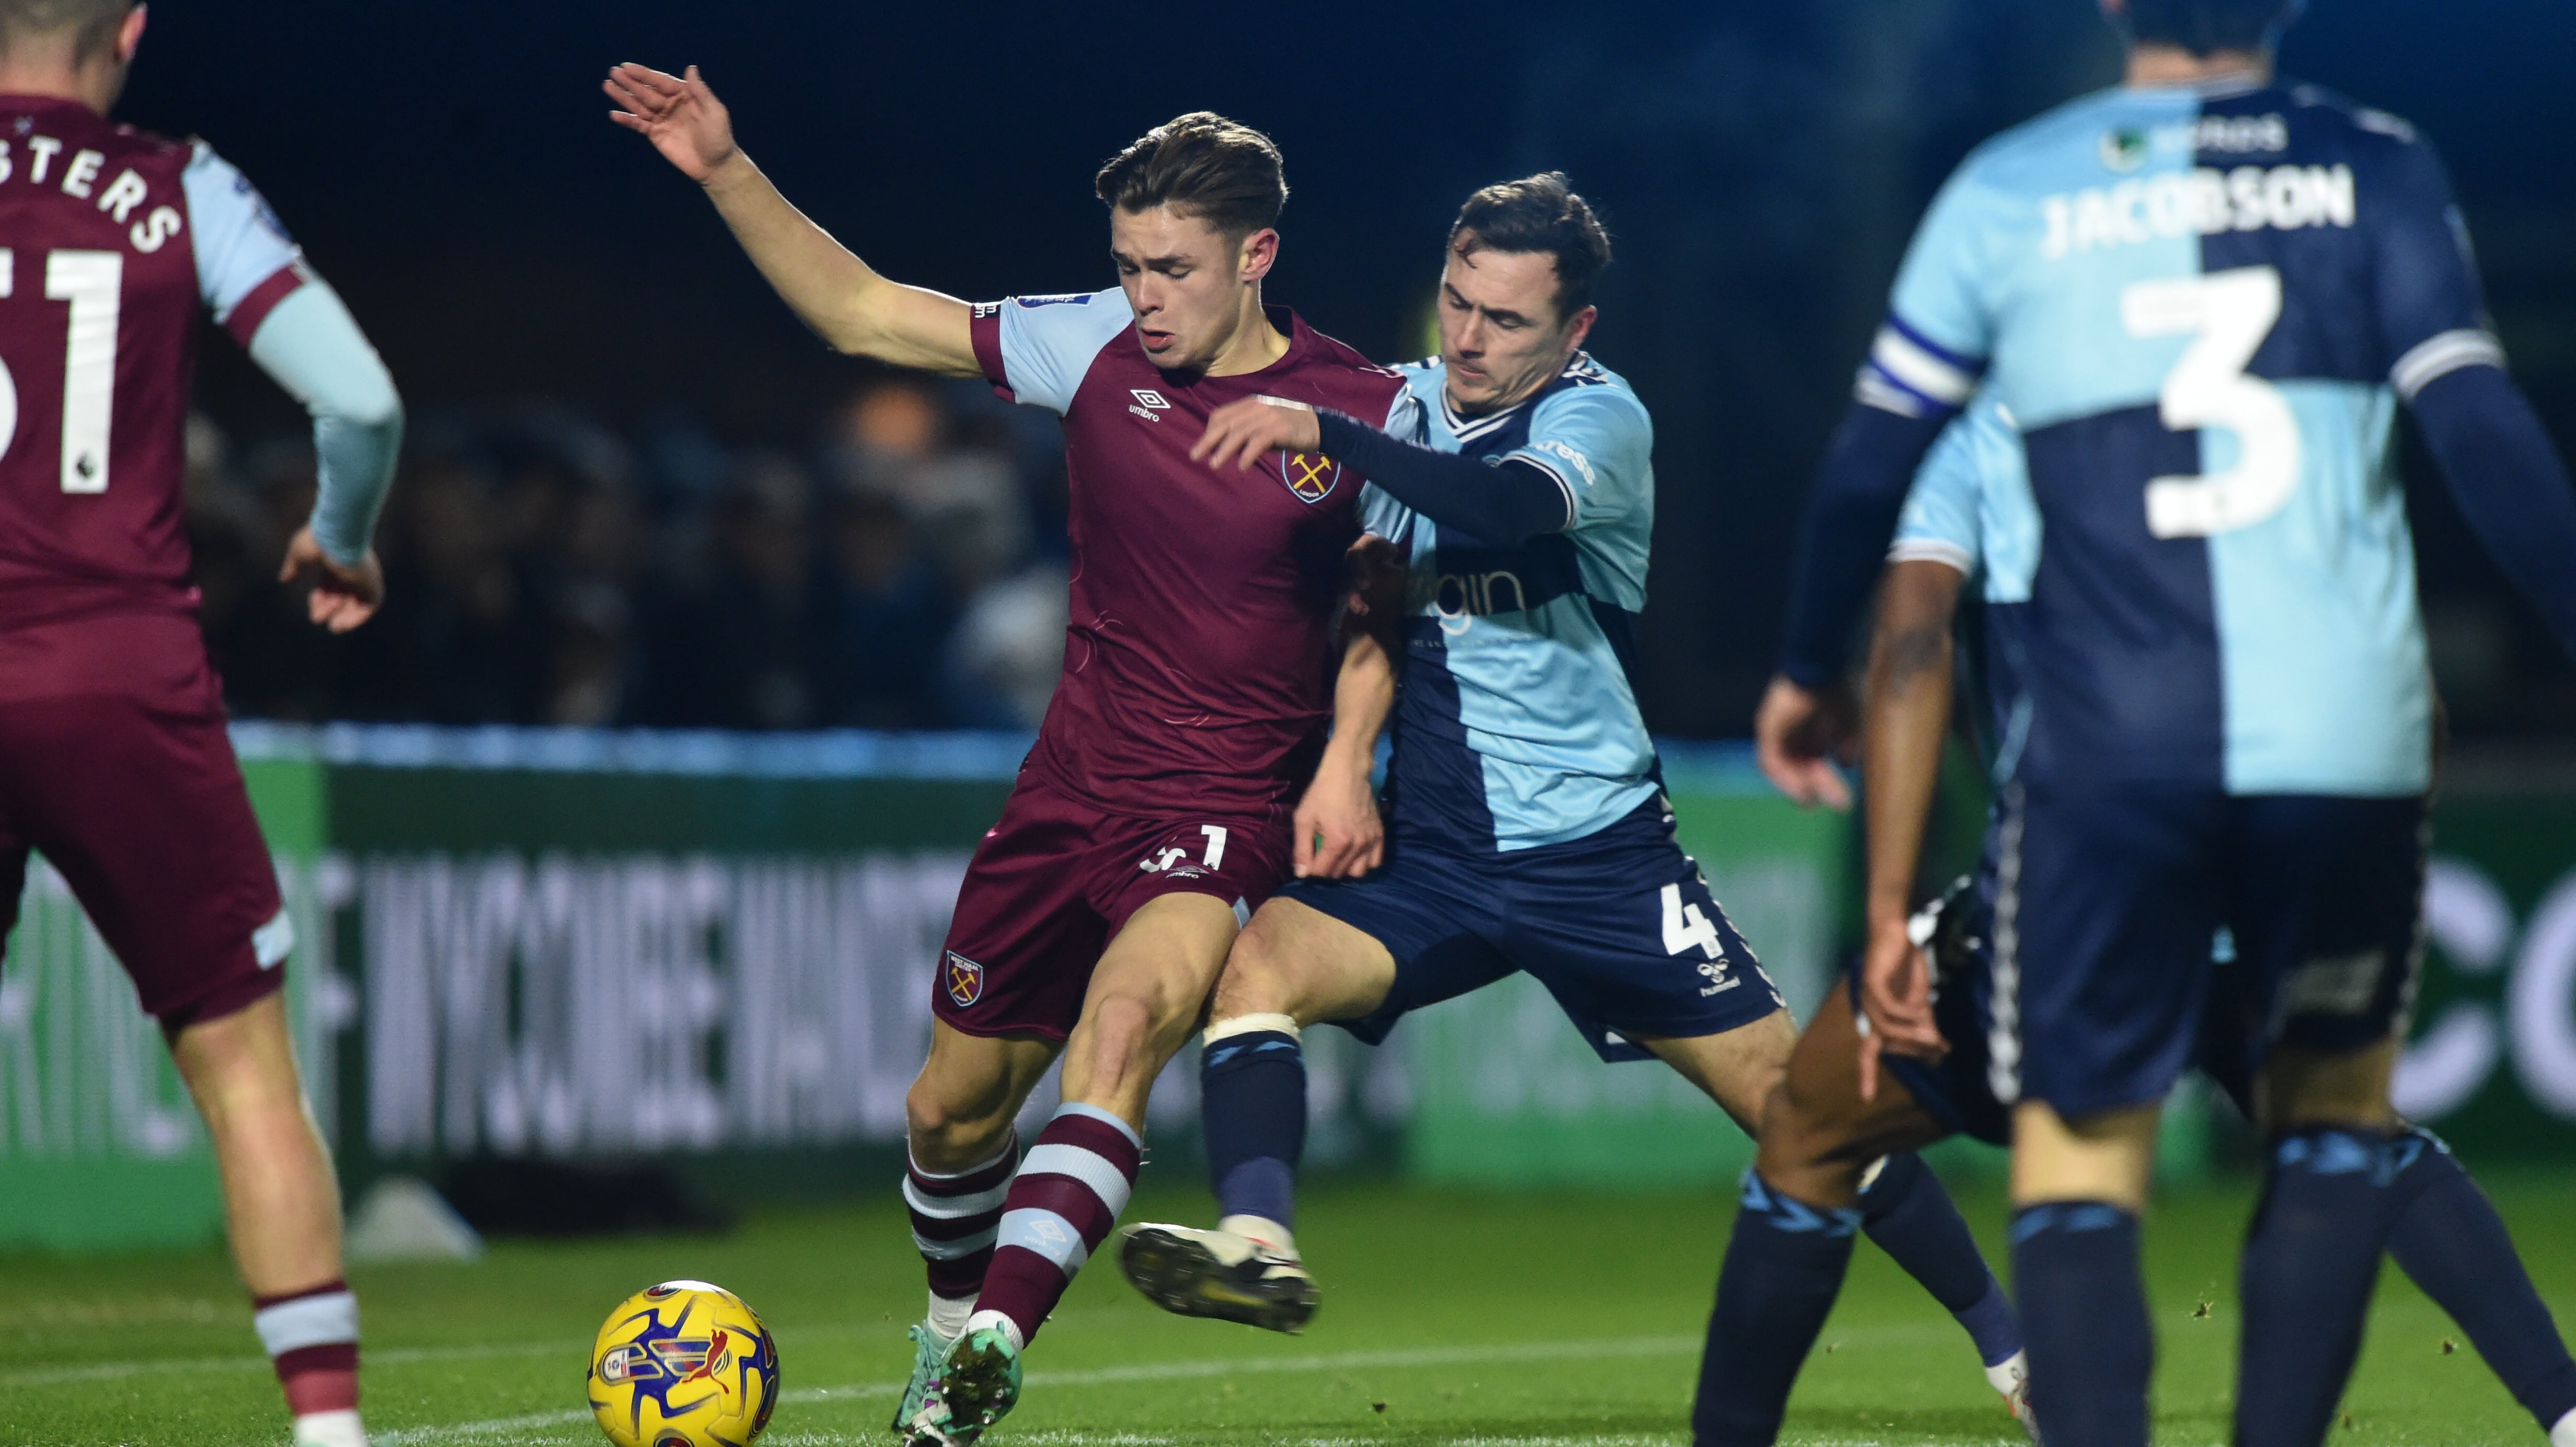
(1312,477)
(964,979)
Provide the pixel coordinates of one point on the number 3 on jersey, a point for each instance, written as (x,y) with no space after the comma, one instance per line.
(92,281)
(2227,315)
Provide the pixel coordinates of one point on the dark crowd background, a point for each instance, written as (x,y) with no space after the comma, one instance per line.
(637,492)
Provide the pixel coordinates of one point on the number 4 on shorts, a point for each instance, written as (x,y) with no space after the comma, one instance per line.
(1685,926)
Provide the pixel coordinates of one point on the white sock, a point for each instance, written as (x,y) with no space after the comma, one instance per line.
(1000,1323)
(2006,1376)
(948,1315)
(1262,1231)
(330,1429)
(2564,1434)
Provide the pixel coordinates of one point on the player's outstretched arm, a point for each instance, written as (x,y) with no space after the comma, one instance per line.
(1904,726)
(846,303)
(1506,505)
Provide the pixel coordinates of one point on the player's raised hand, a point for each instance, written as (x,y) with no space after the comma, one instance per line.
(1339,833)
(1895,1002)
(1800,736)
(1238,433)
(677,113)
(344,595)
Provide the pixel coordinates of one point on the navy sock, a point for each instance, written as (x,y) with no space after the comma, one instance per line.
(1911,1217)
(2311,1260)
(1252,1106)
(2075,1270)
(2448,1238)
(1784,1267)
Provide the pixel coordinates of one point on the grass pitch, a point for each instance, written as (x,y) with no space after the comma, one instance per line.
(1448,1318)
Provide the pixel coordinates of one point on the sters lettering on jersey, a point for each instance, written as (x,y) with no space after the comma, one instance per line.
(1516,725)
(2197,308)
(116,238)
(1199,650)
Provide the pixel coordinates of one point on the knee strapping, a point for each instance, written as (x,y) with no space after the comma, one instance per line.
(1246,1024)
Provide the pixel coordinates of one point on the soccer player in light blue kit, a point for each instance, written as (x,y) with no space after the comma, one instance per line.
(2199,298)
(1970,522)
(1529,825)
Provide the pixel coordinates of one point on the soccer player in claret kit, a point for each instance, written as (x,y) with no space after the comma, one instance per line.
(1153,814)
(114,761)
(1528,824)
(2195,300)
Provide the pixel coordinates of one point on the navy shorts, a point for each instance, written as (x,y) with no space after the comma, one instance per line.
(1968,1096)
(2107,905)
(1619,926)
(1960,1091)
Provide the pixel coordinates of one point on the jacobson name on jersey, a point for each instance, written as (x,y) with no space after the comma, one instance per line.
(2201,305)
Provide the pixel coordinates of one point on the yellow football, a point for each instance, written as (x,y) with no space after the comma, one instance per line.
(683,1364)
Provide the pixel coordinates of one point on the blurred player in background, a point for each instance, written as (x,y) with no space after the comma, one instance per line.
(1153,814)
(2197,298)
(1844,1103)
(1530,827)
(114,761)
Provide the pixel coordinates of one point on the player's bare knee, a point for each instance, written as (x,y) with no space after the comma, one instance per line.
(1797,1153)
(1254,982)
(1121,1028)
(947,1132)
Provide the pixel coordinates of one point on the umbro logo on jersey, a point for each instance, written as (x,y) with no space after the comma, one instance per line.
(1148,402)
(1311,478)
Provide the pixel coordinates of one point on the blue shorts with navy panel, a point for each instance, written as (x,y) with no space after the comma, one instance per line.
(1618,925)
(2116,940)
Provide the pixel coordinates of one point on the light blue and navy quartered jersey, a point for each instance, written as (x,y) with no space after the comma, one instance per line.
(2196,308)
(1516,725)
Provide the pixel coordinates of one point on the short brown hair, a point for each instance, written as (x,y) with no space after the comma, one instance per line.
(1538,213)
(1223,172)
(92,22)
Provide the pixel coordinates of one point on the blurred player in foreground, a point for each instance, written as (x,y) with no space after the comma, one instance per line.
(1530,828)
(1153,814)
(2197,297)
(114,759)
(1845,1103)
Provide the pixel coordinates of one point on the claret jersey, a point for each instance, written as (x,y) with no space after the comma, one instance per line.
(111,240)
(2193,310)
(1200,648)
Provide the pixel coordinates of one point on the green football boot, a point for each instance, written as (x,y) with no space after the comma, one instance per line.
(978,1385)
(1220,1274)
(929,1351)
